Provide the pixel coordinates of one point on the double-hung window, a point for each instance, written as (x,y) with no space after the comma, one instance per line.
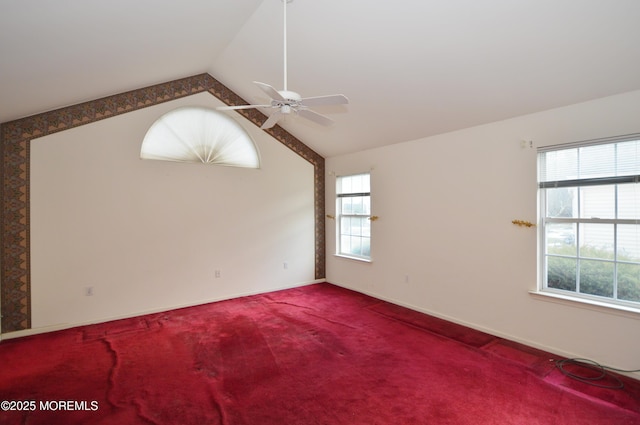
(353,216)
(590,220)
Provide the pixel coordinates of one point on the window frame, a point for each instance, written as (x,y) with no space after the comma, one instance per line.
(340,197)
(578,221)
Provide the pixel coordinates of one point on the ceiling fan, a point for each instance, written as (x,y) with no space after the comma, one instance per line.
(285,101)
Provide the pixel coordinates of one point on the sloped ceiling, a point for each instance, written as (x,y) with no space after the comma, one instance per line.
(411,69)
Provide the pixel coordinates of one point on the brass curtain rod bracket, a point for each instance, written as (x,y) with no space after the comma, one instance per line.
(523,223)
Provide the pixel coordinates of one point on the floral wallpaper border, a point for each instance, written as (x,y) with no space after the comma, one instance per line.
(15,137)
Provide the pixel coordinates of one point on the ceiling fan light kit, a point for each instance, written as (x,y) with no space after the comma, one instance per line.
(285,101)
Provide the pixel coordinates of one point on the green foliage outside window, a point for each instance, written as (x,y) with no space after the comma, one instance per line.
(596,277)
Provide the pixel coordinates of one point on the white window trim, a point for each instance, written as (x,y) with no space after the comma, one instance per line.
(591,302)
(338,216)
(351,257)
(550,295)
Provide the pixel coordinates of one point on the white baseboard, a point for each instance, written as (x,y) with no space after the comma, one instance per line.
(551,350)
(62,326)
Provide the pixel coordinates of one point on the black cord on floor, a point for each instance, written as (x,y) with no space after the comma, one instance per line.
(593,366)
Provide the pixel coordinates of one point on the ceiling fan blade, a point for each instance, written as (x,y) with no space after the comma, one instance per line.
(272,120)
(315,117)
(270,91)
(233,108)
(332,99)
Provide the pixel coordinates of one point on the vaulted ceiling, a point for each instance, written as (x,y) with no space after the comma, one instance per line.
(411,68)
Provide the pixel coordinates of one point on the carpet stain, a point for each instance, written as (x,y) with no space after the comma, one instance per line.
(313,355)
(247,361)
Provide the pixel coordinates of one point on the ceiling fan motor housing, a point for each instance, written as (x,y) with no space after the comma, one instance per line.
(291,101)
(290,95)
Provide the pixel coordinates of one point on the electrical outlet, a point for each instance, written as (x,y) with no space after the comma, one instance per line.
(285,265)
(217,274)
(88,291)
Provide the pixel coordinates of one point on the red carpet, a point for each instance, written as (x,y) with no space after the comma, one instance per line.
(313,355)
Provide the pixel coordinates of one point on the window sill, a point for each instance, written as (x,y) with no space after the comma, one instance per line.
(618,310)
(363,260)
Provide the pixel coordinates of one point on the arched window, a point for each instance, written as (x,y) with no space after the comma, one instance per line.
(200,135)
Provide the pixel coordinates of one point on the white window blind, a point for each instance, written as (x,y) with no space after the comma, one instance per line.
(594,164)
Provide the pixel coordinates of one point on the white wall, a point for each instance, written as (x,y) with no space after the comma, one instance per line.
(445,244)
(149,235)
